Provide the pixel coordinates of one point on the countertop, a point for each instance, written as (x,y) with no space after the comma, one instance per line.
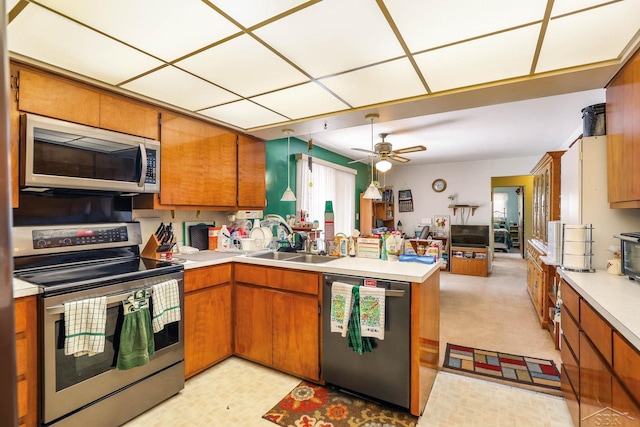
(363,267)
(616,298)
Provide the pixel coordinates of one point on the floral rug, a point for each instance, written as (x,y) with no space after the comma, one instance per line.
(311,405)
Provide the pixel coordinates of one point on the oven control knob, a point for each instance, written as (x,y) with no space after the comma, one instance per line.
(66,242)
(41,243)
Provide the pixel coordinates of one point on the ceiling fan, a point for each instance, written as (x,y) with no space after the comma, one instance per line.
(385,152)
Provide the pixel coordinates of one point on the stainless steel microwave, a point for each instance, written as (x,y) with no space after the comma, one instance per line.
(55,154)
(630,251)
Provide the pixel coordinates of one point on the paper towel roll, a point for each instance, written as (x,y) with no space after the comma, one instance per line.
(614,267)
(576,233)
(575,248)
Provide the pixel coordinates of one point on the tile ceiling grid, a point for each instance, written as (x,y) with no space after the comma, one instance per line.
(326,50)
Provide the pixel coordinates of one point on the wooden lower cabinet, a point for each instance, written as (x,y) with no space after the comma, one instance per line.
(207,317)
(476,265)
(253,323)
(599,375)
(295,334)
(277,319)
(26,360)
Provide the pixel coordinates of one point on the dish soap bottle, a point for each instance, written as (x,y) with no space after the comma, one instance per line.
(224,238)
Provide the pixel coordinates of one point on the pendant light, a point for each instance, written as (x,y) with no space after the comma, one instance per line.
(288,195)
(372,191)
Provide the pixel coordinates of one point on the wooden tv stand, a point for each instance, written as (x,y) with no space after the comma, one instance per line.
(469,260)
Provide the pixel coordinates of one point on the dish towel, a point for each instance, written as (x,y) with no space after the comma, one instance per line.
(359,344)
(372,301)
(84,324)
(136,336)
(340,307)
(166,304)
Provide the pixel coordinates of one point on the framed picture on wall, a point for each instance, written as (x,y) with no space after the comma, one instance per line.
(441,225)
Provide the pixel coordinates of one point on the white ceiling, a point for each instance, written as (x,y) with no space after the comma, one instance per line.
(467,79)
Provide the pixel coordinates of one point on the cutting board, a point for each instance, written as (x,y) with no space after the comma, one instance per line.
(185,230)
(199,236)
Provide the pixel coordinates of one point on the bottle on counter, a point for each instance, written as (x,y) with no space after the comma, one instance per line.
(224,238)
(351,247)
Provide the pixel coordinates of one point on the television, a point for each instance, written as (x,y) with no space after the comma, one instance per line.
(476,236)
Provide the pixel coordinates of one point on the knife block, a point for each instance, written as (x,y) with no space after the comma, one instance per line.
(154,250)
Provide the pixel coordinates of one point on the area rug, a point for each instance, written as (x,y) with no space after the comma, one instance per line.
(311,405)
(527,371)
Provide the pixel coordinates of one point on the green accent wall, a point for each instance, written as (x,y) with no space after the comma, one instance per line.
(276,179)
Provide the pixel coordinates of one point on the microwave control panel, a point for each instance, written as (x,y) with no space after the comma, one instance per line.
(152,171)
(55,238)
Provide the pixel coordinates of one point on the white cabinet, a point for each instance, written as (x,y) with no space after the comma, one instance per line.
(583,197)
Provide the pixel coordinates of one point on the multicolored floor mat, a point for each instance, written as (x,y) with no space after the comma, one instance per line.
(525,370)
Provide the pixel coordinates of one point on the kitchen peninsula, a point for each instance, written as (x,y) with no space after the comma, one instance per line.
(217,326)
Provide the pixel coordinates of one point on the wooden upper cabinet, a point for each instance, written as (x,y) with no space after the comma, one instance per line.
(546,193)
(623,136)
(198,163)
(251,172)
(52,96)
(122,115)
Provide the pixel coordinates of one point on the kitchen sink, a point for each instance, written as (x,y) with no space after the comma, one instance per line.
(295,257)
(280,256)
(312,258)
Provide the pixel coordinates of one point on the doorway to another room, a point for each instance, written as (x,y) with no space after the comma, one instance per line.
(511,206)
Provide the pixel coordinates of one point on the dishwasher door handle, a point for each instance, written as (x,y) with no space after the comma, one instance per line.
(397,293)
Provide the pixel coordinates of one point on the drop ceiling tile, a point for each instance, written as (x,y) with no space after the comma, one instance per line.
(305,100)
(10,4)
(425,24)
(568,6)
(585,38)
(244,66)
(259,11)
(333,36)
(164,28)
(489,59)
(181,89)
(381,83)
(74,47)
(243,114)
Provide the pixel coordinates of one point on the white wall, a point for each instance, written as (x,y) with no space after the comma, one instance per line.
(470,182)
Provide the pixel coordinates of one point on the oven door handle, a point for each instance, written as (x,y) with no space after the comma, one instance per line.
(59,309)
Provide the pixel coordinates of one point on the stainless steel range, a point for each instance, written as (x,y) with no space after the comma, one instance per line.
(76,262)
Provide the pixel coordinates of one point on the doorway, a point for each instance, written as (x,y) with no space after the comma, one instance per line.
(511,214)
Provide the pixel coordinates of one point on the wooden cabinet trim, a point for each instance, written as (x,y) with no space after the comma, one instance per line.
(279,278)
(598,331)
(626,360)
(203,277)
(571,333)
(570,300)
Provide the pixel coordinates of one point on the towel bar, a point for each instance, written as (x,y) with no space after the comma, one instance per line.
(59,309)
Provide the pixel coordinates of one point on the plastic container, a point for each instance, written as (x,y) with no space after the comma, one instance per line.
(224,238)
(593,120)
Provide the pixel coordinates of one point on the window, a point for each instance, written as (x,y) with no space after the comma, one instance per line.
(500,206)
(318,181)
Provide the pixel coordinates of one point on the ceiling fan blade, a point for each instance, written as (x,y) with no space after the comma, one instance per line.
(360,160)
(364,151)
(413,149)
(398,159)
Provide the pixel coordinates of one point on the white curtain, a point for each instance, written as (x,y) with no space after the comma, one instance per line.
(314,187)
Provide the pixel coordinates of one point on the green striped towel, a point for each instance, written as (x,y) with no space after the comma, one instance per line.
(84,325)
(166,304)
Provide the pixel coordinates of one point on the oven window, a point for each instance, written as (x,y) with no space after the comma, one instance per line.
(72,370)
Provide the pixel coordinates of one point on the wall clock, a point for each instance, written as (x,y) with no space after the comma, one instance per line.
(439,185)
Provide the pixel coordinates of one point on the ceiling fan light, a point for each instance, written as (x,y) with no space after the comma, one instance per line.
(383,165)
(372,193)
(288,196)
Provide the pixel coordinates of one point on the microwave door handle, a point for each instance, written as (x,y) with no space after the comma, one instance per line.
(143,167)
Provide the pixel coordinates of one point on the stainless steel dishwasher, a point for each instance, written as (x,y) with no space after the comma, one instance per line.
(384,373)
